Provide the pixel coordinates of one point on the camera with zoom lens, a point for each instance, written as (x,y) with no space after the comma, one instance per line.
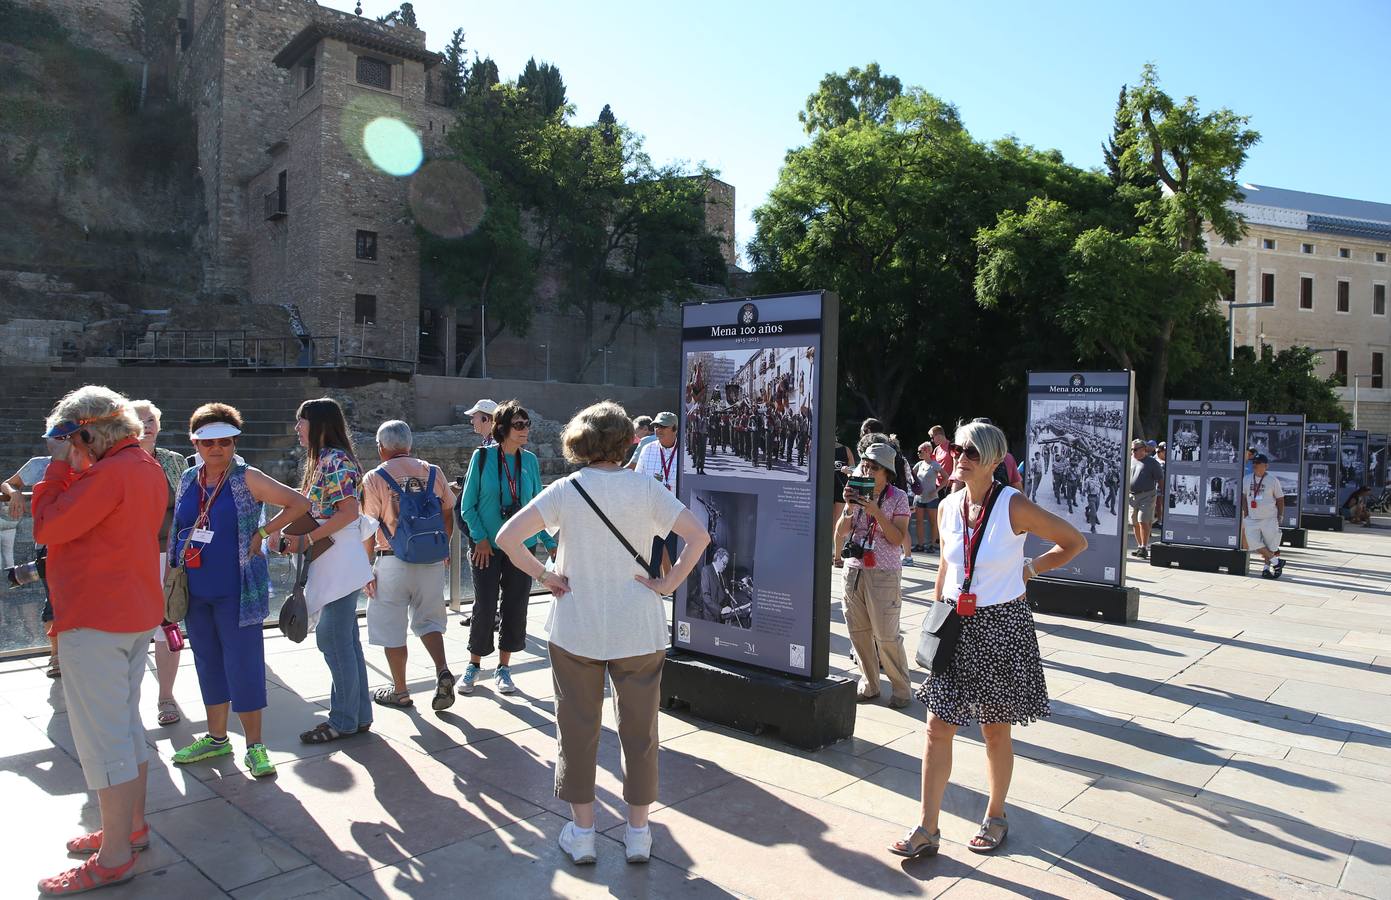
(852,550)
(29,573)
(509,510)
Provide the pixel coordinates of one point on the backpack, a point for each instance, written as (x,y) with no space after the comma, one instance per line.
(419,536)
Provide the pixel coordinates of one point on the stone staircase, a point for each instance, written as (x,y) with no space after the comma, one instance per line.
(267,403)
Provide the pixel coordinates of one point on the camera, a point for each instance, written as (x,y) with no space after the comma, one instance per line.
(30,572)
(853,549)
(510,510)
(861,485)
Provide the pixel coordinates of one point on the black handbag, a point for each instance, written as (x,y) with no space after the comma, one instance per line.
(653,568)
(294,614)
(941,628)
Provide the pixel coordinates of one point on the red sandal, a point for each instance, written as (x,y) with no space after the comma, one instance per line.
(87,877)
(91,842)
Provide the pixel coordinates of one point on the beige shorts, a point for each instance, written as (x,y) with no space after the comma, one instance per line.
(407,594)
(101,686)
(1263,533)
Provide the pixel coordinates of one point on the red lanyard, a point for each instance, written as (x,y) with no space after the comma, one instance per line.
(1256,486)
(666,465)
(205,501)
(511,482)
(873,522)
(971,543)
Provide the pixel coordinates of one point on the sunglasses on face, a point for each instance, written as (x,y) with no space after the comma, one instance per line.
(522,424)
(214,442)
(967,451)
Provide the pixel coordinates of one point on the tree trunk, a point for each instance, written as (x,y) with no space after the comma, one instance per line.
(1153,418)
(466,367)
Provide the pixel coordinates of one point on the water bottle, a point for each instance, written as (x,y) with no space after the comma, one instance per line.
(173,636)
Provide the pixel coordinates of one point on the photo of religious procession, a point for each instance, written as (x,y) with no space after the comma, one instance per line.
(1075,458)
(1353,470)
(1185,442)
(1222,440)
(721,587)
(1279,443)
(1320,448)
(1182,498)
(1221,497)
(749,412)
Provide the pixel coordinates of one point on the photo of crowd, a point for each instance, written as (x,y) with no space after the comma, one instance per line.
(1279,444)
(1074,466)
(1183,495)
(1320,447)
(1321,491)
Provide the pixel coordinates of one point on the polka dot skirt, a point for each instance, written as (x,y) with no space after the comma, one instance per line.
(997,674)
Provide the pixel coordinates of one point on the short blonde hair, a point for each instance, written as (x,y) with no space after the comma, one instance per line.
(147,406)
(599,433)
(988,440)
(105,415)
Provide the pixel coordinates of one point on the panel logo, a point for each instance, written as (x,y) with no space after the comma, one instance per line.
(748,314)
(1206,406)
(1077,381)
(683,632)
(1270,420)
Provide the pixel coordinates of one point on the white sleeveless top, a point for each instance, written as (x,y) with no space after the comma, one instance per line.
(999,571)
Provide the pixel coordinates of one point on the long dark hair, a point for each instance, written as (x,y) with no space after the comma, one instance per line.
(328,427)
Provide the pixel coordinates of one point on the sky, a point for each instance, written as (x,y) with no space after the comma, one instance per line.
(721,83)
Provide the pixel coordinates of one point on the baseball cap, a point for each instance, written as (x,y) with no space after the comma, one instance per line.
(882,454)
(1162,445)
(486,407)
(1151,444)
(1259,458)
(665,419)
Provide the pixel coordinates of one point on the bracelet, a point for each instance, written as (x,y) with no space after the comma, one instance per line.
(1029,564)
(262,532)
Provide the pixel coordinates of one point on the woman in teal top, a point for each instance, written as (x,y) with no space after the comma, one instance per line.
(500,481)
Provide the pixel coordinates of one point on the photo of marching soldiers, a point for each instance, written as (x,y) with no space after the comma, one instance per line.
(1074,466)
(1185,440)
(1319,448)
(749,412)
(1183,495)
(1222,440)
(1280,444)
(721,587)
(1321,492)
(1353,471)
(1221,497)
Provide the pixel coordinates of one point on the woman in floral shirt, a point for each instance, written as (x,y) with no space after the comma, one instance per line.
(332,480)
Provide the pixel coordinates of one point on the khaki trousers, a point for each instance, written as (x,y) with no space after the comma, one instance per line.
(579,710)
(873,603)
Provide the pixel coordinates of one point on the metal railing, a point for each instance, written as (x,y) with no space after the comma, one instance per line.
(184,346)
(275,205)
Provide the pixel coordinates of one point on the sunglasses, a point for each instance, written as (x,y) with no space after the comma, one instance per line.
(967,451)
(213,442)
(520,423)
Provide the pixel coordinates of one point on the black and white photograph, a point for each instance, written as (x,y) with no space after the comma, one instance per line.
(1182,498)
(1221,497)
(1321,490)
(750,413)
(721,589)
(1185,444)
(1279,443)
(1353,471)
(1074,467)
(1376,465)
(1320,448)
(1222,440)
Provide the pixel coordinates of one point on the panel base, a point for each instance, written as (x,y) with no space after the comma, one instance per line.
(1321,522)
(1198,559)
(1294,537)
(806,714)
(1078,598)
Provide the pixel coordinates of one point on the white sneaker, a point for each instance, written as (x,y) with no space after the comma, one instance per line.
(638,842)
(579,844)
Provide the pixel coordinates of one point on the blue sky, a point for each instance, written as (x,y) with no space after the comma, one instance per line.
(722,82)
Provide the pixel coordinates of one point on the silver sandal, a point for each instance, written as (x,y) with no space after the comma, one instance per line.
(992,832)
(911,848)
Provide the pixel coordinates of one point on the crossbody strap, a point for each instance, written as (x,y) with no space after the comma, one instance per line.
(973,548)
(637,557)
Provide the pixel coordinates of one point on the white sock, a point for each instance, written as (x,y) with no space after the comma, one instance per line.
(641,830)
(579,830)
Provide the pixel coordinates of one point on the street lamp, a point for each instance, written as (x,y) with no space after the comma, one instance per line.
(606,351)
(1355,379)
(1231,326)
(547,348)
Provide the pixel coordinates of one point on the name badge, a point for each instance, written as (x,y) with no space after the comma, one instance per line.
(201,536)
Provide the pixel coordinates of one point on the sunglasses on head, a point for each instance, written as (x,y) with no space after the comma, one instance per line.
(967,451)
(213,442)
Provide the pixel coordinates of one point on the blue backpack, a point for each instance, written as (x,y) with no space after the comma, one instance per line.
(419,535)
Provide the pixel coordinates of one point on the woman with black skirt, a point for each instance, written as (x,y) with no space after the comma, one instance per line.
(996,674)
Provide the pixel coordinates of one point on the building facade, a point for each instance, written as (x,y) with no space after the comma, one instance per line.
(1319,267)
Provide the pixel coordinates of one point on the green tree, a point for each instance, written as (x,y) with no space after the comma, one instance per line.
(608,123)
(543,86)
(454,70)
(1285,382)
(859,95)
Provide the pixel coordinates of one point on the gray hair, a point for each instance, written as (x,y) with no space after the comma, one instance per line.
(147,406)
(988,440)
(720,552)
(394,435)
(106,415)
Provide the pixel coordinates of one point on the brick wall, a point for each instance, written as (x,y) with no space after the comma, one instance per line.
(100,24)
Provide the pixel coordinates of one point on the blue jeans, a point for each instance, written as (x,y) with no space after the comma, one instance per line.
(350,704)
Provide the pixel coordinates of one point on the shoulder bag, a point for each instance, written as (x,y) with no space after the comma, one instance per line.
(653,568)
(941,627)
(176,576)
(294,614)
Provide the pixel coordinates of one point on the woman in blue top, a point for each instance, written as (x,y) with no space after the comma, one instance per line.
(500,481)
(217,536)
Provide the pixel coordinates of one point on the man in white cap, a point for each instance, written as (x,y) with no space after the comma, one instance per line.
(1265,497)
(658,459)
(481,418)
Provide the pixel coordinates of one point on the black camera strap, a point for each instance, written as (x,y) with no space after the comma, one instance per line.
(637,557)
(513,485)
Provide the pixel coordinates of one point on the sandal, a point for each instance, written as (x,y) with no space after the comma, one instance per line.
(388,696)
(169,713)
(87,877)
(917,843)
(991,835)
(53,670)
(322,734)
(91,842)
(444,691)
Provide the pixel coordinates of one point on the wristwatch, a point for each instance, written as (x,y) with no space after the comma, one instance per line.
(1029,564)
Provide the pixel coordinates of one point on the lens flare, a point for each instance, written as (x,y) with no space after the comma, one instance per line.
(447,199)
(392,146)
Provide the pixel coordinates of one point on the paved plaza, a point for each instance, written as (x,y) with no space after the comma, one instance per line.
(1234,743)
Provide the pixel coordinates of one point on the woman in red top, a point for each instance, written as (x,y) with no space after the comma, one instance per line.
(98,510)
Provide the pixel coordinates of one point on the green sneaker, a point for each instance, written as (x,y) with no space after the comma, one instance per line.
(202,749)
(257,761)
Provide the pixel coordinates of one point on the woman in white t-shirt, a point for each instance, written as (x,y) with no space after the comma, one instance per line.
(607,615)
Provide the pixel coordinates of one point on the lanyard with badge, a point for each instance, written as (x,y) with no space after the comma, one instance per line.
(1256,489)
(200,535)
(966,601)
(869,559)
(667,463)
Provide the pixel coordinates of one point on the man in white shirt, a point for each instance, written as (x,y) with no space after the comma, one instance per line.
(658,459)
(1265,505)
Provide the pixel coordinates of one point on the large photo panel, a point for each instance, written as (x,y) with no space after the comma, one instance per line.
(1352,464)
(1281,438)
(1075,465)
(755,407)
(1322,452)
(1376,462)
(1207,443)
